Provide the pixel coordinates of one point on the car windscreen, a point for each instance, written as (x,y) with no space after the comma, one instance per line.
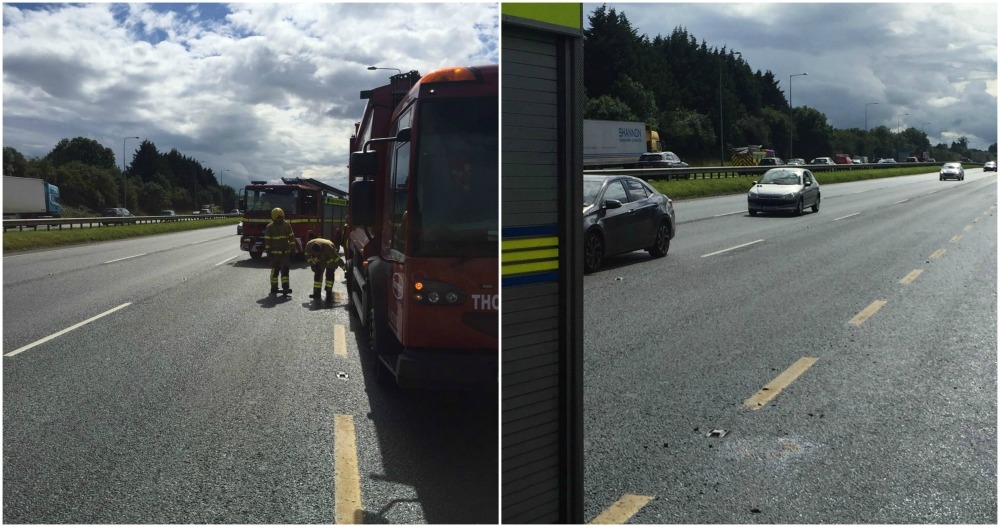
(591,188)
(650,157)
(457,183)
(780,177)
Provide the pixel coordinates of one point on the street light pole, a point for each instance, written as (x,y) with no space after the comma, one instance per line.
(897,121)
(373,68)
(124,191)
(791,119)
(722,128)
(866,126)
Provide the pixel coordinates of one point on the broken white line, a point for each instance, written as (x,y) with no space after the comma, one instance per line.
(67,330)
(731,248)
(126,258)
(729,214)
(226,260)
(848,216)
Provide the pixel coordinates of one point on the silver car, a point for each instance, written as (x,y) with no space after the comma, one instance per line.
(952,171)
(784,190)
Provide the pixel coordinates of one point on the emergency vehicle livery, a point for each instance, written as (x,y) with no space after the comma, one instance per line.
(309,205)
(422,252)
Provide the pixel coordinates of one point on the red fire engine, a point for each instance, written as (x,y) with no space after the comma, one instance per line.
(422,254)
(309,205)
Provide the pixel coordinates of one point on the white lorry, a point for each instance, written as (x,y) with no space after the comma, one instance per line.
(25,198)
(616,143)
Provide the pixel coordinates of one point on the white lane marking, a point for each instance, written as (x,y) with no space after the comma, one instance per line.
(731,248)
(126,258)
(901,201)
(848,216)
(729,214)
(67,330)
(226,260)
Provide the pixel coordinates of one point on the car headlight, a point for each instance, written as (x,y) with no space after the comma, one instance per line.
(790,195)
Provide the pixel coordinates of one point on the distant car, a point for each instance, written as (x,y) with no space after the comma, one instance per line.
(662,160)
(205,211)
(990,166)
(822,161)
(771,161)
(912,159)
(784,190)
(622,214)
(796,161)
(234,211)
(239,228)
(886,161)
(116,212)
(952,171)
(855,161)
(843,159)
(171,215)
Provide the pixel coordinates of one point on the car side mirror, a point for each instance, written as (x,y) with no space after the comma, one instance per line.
(612,204)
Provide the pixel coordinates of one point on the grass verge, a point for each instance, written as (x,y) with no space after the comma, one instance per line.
(14,241)
(703,188)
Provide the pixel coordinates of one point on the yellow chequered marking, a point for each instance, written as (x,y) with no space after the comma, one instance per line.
(530,243)
(521,256)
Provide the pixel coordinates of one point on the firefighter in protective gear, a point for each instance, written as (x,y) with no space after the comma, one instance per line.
(279,243)
(323,256)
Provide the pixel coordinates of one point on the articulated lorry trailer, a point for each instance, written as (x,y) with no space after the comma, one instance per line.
(25,198)
(616,144)
(422,253)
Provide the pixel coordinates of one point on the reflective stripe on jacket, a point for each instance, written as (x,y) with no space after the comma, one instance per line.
(328,255)
(279,238)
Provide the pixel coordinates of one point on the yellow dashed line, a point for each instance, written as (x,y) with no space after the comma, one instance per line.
(956,238)
(340,340)
(773,388)
(347,489)
(968,228)
(911,277)
(937,254)
(867,312)
(620,511)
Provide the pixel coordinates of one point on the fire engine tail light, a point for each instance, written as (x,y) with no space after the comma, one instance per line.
(437,293)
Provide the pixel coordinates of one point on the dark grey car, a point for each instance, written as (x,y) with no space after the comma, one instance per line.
(622,214)
(784,190)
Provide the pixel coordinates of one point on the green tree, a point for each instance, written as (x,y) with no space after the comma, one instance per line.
(86,151)
(639,99)
(610,46)
(608,108)
(14,163)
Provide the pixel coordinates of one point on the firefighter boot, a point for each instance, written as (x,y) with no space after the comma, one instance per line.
(274,290)
(329,296)
(316,295)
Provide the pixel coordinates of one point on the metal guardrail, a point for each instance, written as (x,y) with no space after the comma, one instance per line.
(735,171)
(59,223)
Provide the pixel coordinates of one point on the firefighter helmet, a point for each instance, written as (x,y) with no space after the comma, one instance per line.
(277,213)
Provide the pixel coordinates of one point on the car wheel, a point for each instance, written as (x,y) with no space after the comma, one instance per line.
(815,207)
(752,212)
(799,208)
(661,244)
(593,252)
(256,255)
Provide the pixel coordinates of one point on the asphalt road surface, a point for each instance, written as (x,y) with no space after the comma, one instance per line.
(838,367)
(154,380)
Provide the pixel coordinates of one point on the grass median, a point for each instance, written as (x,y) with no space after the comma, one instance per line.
(702,188)
(14,241)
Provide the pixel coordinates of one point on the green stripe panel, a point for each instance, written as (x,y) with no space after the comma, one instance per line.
(529,255)
(560,14)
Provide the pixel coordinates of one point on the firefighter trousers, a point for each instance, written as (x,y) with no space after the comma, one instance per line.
(280,264)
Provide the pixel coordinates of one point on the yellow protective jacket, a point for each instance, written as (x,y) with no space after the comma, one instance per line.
(328,255)
(279,238)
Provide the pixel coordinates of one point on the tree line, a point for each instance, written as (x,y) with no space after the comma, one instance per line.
(90,180)
(673,84)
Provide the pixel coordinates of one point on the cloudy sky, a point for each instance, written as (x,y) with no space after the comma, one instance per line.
(936,62)
(252,91)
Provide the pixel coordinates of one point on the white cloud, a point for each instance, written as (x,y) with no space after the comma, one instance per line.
(263,90)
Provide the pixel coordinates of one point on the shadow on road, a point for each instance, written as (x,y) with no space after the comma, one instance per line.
(443,444)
